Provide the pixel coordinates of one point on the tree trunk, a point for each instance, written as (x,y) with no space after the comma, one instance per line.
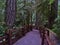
(38,16)
(53,14)
(10,13)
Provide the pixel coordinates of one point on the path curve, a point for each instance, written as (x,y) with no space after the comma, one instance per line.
(31,38)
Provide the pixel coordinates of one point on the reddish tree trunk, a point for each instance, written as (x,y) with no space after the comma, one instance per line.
(53,14)
(10,12)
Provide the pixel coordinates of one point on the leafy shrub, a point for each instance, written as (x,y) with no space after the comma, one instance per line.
(1,31)
(56,26)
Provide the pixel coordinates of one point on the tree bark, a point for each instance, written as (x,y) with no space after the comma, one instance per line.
(10,13)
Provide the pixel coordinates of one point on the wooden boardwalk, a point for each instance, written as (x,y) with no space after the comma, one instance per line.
(31,38)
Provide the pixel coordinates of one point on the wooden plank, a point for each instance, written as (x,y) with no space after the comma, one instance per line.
(50,42)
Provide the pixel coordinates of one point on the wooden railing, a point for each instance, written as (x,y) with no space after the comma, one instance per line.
(3,40)
(50,42)
(52,37)
(46,38)
(12,35)
(16,34)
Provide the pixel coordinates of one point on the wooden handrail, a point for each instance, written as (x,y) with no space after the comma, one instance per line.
(51,35)
(50,42)
(48,38)
(51,31)
(13,37)
(43,30)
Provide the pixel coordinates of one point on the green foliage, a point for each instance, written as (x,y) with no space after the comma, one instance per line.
(23,7)
(23,16)
(51,1)
(44,10)
(2,10)
(56,26)
(2,14)
(2,30)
